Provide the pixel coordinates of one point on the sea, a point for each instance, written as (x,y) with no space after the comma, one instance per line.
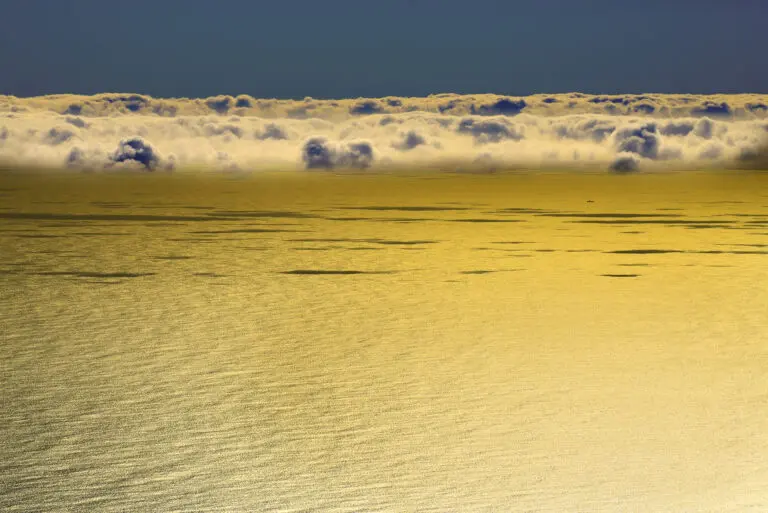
(525,340)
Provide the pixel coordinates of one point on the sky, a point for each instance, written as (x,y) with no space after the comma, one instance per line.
(350,48)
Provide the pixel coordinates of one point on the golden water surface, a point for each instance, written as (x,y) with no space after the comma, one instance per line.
(411,342)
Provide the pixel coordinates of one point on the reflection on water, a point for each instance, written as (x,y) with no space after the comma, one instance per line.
(507,343)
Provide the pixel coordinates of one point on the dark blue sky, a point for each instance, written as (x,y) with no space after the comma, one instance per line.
(343,48)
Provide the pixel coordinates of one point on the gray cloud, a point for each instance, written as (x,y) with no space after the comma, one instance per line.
(625,163)
(79,123)
(711,108)
(272,131)
(642,140)
(503,107)
(320,153)
(136,149)
(366,107)
(681,128)
(704,128)
(487,131)
(57,135)
(409,140)
(220,104)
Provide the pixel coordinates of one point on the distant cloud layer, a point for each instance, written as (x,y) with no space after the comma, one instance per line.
(620,133)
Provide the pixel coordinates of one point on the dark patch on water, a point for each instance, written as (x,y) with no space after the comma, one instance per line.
(525,210)
(407,208)
(332,272)
(545,250)
(632,232)
(322,240)
(245,230)
(692,252)
(708,227)
(101,234)
(399,242)
(369,241)
(582,250)
(14,230)
(740,215)
(262,213)
(635,265)
(507,250)
(607,215)
(668,222)
(486,220)
(513,242)
(402,219)
(37,236)
(63,252)
(350,219)
(48,216)
(620,275)
(381,219)
(173,257)
(160,206)
(107,204)
(162,224)
(210,275)
(644,251)
(87,274)
(194,239)
(489,271)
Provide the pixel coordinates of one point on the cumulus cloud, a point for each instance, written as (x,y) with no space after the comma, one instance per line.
(79,123)
(746,106)
(710,108)
(272,131)
(320,153)
(409,140)
(642,140)
(625,163)
(503,107)
(132,152)
(57,135)
(111,131)
(136,149)
(366,107)
(487,131)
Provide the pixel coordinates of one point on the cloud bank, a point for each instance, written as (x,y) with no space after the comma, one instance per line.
(621,133)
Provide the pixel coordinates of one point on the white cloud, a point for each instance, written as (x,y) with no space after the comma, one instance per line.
(483,131)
